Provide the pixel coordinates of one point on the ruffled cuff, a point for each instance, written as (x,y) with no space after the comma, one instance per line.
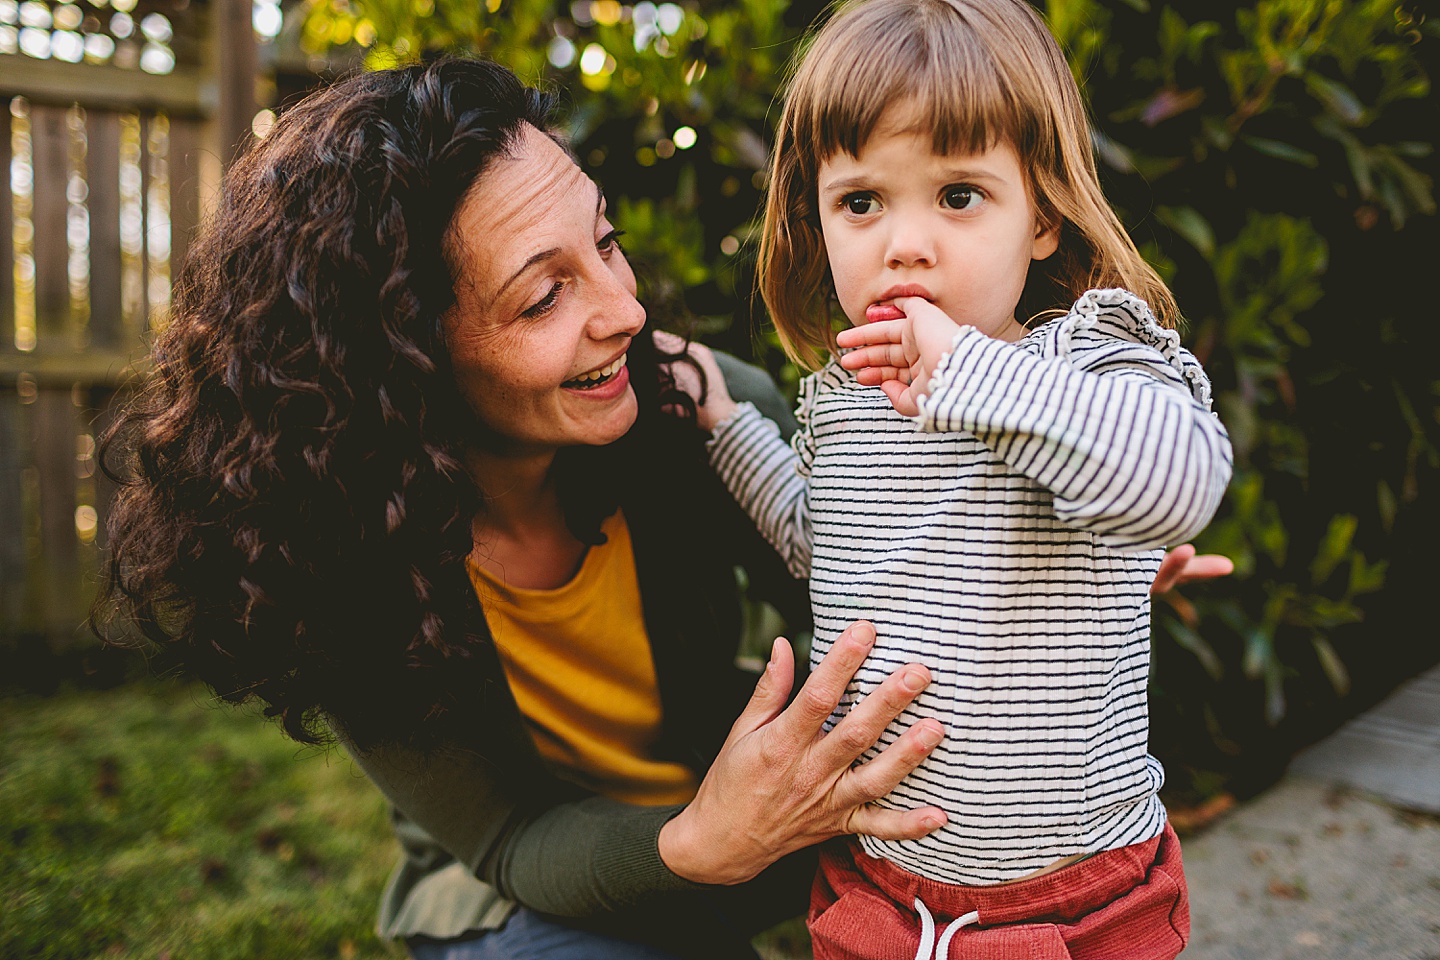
(1129,315)
(945,372)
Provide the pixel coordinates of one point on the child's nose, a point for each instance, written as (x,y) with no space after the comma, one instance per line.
(910,244)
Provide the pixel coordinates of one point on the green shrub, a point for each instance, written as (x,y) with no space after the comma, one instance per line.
(1273,157)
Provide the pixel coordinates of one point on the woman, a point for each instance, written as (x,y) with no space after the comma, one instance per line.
(410,469)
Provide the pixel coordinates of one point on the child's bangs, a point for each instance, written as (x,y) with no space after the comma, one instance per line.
(924,63)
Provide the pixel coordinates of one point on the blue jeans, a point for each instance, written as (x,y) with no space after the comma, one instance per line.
(530,936)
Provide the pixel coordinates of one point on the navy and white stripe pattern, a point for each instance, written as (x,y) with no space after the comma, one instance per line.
(1009,544)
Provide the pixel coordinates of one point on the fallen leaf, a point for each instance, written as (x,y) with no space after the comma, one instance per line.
(1186,819)
(1285,891)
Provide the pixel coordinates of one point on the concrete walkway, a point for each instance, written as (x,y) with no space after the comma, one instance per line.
(1341,859)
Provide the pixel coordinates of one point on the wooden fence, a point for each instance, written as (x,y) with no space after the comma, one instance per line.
(104,171)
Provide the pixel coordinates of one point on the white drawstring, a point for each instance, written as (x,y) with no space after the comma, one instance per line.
(941,950)
(927,931)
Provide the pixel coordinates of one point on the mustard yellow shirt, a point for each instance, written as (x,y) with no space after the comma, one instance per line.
(578,661)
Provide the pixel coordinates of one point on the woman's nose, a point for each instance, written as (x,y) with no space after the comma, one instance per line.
(909,243)
(616,310)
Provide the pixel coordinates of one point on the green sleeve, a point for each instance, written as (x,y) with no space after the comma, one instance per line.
(579,858)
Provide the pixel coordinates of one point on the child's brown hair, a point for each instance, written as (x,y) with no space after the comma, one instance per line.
(976,73)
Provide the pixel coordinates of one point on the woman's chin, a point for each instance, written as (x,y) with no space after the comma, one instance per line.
(607,423)
(608,410)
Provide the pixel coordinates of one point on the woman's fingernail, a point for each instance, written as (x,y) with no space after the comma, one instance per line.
(914,681)
(930,737)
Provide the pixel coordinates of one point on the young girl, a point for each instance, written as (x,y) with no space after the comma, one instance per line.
(999,507)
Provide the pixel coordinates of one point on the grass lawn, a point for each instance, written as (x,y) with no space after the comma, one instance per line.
(145,822)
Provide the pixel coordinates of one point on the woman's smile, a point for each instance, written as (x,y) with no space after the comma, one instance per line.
(609,374)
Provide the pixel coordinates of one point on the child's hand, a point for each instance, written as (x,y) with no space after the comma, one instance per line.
(1182,565)
(899,349)
(717,406)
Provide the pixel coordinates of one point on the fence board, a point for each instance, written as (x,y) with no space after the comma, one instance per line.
(102,128)
(54,440)
(7,256)
(235,65)
(51,139)
(184,190)
(182,92)
(142,314)
(103,409)
(12,526)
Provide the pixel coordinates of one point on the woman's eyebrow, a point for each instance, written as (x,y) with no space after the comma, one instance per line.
(530,261)
(550,252)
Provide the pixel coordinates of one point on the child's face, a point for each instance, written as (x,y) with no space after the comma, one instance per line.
(959,230)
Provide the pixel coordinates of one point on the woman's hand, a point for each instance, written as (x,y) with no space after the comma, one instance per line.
(780,783)
(718,406)
(1182,565)
(899,349)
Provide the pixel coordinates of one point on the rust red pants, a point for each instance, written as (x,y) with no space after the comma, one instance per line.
(1126,904)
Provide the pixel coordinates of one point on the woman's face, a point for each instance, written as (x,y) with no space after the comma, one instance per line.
(545,305)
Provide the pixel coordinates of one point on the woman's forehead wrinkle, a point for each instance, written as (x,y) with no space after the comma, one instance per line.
(518,213)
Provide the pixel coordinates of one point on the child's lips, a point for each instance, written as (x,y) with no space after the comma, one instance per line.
(882,311)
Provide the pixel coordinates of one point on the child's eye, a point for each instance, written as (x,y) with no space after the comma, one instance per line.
(961,196)
(859,203)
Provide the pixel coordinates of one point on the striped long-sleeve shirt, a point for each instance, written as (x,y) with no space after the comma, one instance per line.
(1006,538)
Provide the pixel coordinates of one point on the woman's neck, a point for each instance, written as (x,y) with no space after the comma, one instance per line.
(520,532)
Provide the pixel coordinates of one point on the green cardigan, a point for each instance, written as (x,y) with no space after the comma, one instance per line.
(485,824)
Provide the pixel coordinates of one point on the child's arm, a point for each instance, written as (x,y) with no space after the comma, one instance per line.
(766,475)
(1116,425)
(769,478)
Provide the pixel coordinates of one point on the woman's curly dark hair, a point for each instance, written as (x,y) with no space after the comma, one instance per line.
(293,516)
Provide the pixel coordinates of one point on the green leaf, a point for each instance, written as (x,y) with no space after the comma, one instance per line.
(1188,222)
(1116,155)
(1386,504)
(1190,640)
(1366,577)
(1259,650)
(1331,663)
(1281,151)
(1339,99)
(1274,691)
(1333,548)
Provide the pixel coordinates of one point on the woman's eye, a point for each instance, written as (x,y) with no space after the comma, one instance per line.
(543,306)
(859,204)
(610,242)
(961,196)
